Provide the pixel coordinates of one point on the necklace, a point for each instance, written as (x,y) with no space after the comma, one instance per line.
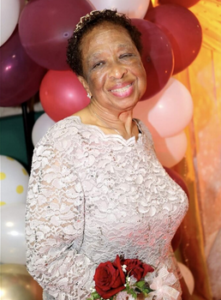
(108,126)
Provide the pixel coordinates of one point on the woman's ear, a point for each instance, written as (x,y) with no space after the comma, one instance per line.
(85,84)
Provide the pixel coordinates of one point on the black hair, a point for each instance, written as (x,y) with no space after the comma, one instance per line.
(86,24)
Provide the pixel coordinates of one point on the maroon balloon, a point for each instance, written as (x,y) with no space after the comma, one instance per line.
(182,29)
(185,3)
(178,179)
(20,76)
(157,56)
(46,25)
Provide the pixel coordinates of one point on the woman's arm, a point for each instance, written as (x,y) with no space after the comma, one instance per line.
(54,226)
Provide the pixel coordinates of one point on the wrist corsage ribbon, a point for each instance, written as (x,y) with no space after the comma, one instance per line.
(127,278)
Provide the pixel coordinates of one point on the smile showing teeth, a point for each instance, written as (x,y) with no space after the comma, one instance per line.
(122,89)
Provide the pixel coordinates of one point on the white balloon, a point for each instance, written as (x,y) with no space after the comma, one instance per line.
(41,126)
(170,151)
(169,111)
(13,247)
(187,276)
(133,9)
(13,181)
(9,14)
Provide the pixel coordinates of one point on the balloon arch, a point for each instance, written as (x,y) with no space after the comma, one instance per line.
(33,59)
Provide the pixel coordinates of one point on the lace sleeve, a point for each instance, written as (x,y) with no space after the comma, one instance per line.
(55,226)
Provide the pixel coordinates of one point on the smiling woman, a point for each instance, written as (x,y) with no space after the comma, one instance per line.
(96,188)
(114,76)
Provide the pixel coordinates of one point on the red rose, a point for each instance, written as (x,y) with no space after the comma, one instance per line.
(136,268)
(109,278)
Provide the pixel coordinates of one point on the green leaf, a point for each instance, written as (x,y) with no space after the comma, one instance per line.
(140,284)
(95,296)
(131,292)
(146,291)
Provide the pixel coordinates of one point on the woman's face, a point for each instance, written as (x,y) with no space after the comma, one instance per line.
(113,71)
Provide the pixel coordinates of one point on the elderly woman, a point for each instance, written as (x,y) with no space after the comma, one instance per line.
(96,188)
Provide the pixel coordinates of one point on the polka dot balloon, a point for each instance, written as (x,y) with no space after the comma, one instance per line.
(13,181)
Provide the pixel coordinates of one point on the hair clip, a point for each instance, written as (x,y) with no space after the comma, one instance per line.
(80,24)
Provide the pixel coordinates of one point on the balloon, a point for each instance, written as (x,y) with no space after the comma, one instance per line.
(157,56)
(168,112)
(13,247)
(133,9)
(45,26)
(176,239)
(62,94)
(17,284)
(43,123)
(15,269)
(9,12)
(14,181)
(183,31)
(20,76)
(170,150)
(187,276)
(185,3)
(178,179)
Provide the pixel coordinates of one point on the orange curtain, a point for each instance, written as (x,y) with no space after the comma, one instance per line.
(200,248)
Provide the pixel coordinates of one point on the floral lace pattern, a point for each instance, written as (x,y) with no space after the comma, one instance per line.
(92,196)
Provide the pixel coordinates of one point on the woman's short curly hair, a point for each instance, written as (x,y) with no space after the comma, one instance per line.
(87,23)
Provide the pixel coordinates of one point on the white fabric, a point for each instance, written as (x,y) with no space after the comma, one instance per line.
(92,196)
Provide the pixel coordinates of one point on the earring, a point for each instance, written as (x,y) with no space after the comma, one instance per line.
(88,95)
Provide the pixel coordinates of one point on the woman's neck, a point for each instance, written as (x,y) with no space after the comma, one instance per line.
(120,122)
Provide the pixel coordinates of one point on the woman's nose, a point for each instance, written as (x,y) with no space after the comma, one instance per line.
(117,70)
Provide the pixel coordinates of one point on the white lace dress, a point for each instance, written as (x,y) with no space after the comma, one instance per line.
(92,196)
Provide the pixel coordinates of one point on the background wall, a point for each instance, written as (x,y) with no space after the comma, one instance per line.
(203,79)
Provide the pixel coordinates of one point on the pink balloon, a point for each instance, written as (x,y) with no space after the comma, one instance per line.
(187,276)
(157,56)
(182,29)
(133,9)
(45,26)
(62,94)
(170,151)
(168,112)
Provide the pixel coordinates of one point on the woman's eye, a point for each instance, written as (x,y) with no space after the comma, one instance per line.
(99,64)
(126,55)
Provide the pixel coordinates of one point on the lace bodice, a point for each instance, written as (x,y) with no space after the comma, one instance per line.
(92,196)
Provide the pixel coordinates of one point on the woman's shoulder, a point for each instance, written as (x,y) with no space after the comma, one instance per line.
(65,129)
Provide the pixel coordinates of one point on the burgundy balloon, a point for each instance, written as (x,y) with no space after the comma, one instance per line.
(20,76)
(178,179)
(45,27)
(183,31)
(185,3)
(157,56)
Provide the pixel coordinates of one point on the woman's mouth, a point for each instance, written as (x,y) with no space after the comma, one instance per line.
(123,91)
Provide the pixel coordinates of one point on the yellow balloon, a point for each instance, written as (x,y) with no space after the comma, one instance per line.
(14,269)
(17,284)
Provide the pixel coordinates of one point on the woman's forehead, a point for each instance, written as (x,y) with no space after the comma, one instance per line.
(106,29)
(105,33)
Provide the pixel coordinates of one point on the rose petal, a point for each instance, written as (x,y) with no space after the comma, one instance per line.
(112,292)
(117,263)
(147,269)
